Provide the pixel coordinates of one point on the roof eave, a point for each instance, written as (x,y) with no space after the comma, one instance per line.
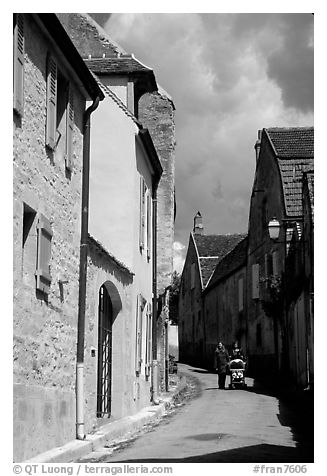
(152,154)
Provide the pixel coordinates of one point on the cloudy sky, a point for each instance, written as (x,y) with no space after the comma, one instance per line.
(229,75)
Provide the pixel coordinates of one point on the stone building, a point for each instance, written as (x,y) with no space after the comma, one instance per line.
(125,172)
(283,155)
(51,87)
(203,254)
(224,313)
(157,112)
(133,133)
(299,291)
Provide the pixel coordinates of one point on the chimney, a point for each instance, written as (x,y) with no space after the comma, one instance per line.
(198,226)
(258,145)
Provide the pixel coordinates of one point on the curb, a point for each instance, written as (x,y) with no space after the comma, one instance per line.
(115,430)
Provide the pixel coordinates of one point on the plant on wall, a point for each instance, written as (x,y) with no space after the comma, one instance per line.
(272,303)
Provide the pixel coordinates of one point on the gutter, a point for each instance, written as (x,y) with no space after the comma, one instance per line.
(80,432)
(155,370)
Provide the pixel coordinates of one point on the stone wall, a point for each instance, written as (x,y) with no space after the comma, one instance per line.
(264,332)
(223,321)
(156,112)
(44,327)
(129,392)
(190,324)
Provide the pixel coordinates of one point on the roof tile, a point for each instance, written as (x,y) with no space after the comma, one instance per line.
(292,141)
(294,147)
(116,65)
(230,262)
(212,248)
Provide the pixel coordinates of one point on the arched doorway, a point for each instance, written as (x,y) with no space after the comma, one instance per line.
(105,321)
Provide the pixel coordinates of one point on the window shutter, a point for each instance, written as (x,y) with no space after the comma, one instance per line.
(51,125)
(255,281)
(19,64)
(148,341)
(142,212)
(192,275)
(138,348)
(240,294)
(44,237)
(69,130)
(148,226)
(275,269)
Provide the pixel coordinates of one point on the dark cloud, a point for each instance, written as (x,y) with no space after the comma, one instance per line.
(229,75)
(291,66)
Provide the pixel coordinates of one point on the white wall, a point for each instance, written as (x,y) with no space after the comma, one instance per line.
(113,181)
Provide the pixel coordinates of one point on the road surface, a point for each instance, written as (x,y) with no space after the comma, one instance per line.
(227,426)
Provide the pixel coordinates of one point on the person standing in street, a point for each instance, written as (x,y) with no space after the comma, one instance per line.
(237,351)
(221,364)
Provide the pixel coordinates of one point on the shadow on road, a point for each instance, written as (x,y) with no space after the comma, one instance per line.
(262,453)
(296,411)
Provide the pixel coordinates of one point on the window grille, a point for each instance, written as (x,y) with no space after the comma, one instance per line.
(104,354)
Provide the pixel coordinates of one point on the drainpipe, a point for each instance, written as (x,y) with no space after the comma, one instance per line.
(80,433)
(155,370)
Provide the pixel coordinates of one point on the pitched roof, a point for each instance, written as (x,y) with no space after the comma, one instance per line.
(105,56)
(121,64)
(211,249)
(292,141)
(230,262)
(207,266)
(294,150)
(103,250)
(88,36)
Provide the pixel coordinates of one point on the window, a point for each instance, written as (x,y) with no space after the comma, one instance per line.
(145,218)
(258,335)
(255,281)
(275,268)
(44,237)
(148,225)
(148,341)
(29,246)
(28,218)
(19,63)
(192,299)
(142,213)
(51,124)
(268,265)
(69,130)
(60,112)
(143,348)
(240,294)
(192,275)
(138,347)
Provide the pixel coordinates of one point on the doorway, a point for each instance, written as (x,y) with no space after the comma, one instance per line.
(105,321)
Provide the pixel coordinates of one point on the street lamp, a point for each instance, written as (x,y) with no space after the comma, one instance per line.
(274,228)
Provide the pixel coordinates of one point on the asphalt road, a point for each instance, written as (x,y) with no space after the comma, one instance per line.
(230,426)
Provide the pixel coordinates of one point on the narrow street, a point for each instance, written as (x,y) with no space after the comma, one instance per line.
(227,426)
